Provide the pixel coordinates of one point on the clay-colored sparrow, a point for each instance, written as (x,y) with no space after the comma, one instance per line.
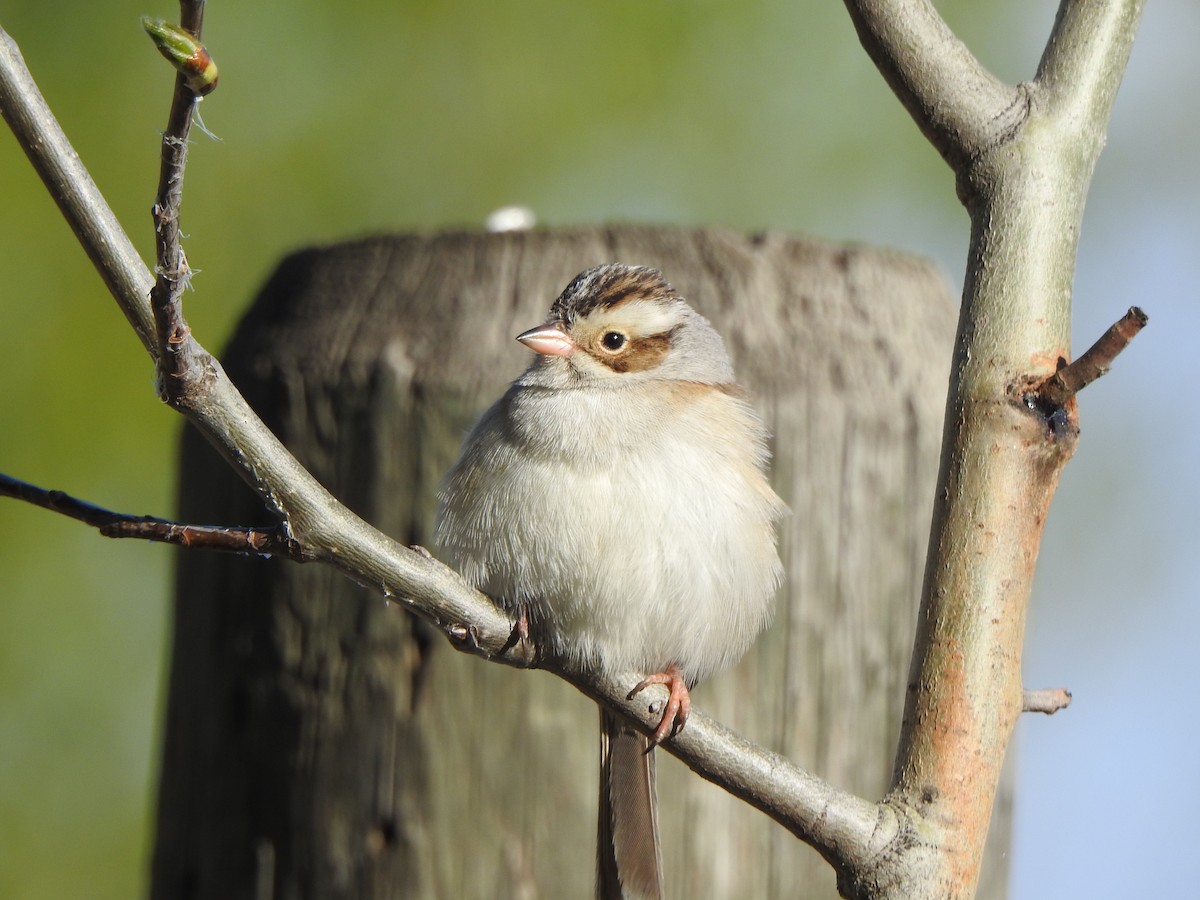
(615,500)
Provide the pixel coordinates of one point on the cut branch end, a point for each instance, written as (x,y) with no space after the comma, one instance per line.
(1045,700)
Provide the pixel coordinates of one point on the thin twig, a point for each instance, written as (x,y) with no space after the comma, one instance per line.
(227,539)
(178,365)
(1095,361)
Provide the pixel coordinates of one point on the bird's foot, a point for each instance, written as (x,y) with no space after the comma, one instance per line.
(679,702)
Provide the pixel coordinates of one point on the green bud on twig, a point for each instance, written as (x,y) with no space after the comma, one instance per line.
(185,53)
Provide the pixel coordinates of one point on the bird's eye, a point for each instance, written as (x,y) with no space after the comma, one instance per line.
(613,341)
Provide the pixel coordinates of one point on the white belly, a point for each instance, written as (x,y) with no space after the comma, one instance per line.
(634,544)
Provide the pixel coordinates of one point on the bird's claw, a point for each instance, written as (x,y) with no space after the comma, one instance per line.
(679,702)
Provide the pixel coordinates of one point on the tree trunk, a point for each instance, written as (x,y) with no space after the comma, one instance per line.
(322,744)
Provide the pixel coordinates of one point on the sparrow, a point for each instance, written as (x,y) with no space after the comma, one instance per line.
(615,501)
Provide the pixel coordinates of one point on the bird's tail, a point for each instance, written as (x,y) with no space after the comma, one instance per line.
(628,858)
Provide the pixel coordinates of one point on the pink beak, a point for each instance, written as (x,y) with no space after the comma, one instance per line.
(548,340)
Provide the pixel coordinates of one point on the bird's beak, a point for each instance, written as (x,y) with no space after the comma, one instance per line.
(548,340)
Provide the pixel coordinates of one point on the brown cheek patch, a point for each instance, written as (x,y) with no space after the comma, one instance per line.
(641,354)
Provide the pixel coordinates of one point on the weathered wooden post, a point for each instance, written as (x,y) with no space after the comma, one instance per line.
(322,744)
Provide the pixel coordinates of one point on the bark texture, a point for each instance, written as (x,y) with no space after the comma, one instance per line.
(321,743)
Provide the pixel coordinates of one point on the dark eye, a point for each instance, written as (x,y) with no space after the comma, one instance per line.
(613,341)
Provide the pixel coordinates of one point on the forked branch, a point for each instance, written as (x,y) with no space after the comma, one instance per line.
(1023,159)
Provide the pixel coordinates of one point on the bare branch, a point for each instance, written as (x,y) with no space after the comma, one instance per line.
(838,824)
(957,103)
(1025,188)
(248,541)
(216,408)
(179,362)
(847,830)
(1081,68)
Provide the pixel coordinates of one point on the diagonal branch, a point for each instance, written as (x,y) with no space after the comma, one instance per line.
(1081,68)
(309,513)
(848,831)
(839,825)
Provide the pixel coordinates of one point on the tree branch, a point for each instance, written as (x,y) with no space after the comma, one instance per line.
(1023,178)
(1024,158)
(837,824)
(1095,362)
(848,831)
(309,513)
(228,539)
(957,103)
(1081,68)
(179,363)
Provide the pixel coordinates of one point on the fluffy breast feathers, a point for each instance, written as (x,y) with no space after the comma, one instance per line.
(617,492)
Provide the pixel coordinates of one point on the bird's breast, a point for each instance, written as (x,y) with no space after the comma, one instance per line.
(646,535)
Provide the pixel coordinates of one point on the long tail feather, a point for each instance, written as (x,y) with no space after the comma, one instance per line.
(628,857)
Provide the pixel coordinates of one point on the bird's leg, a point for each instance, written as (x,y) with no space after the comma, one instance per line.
(679,702)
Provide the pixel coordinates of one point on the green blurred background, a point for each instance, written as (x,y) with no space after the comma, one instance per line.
(343,119)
